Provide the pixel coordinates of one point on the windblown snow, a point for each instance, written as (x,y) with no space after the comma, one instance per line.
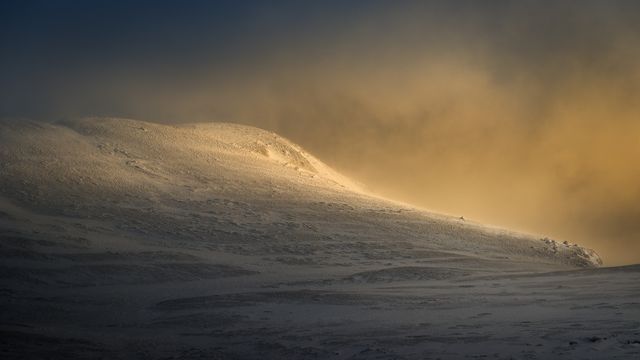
(123,237)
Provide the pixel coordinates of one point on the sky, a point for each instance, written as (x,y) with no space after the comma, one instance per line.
(522,114)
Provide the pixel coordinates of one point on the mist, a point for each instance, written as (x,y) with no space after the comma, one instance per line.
(519,114)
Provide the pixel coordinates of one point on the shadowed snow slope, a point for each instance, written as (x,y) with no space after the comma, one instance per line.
(126,239)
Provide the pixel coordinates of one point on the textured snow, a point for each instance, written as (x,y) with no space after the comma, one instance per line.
(128,239)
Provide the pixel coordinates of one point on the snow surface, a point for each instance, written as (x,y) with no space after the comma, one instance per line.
(127,239)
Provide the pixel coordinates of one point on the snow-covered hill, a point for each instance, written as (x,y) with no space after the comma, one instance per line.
(127,239)
(238,190)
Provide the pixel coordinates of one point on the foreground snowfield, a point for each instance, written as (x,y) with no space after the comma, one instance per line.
(126,239)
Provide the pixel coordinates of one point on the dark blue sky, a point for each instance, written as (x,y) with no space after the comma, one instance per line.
(48,46)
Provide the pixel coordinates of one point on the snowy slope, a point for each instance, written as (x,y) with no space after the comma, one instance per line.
(127,239)
(235,188)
